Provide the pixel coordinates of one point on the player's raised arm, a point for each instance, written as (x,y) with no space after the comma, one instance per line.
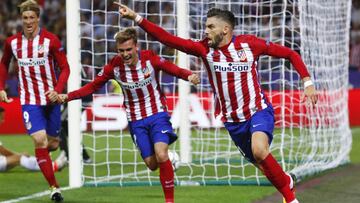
(161,35)
(279,51)
(174,70)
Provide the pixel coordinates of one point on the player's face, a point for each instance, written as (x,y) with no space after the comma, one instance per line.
(214,31)
(30,22)
(128,52)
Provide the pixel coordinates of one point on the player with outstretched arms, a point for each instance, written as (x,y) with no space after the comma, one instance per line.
(231,63)
(137,72)
(37,51)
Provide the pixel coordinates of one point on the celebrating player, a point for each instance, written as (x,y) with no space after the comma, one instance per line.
(149,123)
(231,63)
(36,51)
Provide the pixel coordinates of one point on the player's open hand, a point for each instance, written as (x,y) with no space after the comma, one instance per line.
(62,98)
(52,95)
(311,95)
(125,11)
(4,98)
(194,79)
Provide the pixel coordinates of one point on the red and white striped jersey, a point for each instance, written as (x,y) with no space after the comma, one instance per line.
(37,60)
(232,69)
(140,83)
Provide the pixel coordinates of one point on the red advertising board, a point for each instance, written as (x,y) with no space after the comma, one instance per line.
(13,123)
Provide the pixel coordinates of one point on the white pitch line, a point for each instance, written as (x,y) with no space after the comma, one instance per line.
(39,194)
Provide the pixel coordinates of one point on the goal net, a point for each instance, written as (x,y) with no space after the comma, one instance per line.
(306,140)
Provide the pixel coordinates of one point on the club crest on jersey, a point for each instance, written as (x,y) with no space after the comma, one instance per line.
(41,49)
(146,71)
(214,54)
(242,55)
(101,73)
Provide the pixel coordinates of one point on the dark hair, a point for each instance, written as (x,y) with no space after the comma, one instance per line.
(224,15)
(30,5)
(125,35)
(2,109)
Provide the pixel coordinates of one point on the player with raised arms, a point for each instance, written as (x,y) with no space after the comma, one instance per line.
(231,63)
(137,72)
(37,51)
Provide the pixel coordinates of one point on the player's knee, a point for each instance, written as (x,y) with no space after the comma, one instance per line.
(151,163)
(162,156)
(260,153)
(39,141)
(53,145)
(152,166)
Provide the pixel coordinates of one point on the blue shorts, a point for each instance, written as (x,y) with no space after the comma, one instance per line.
(241,132)
(38,117)
(148,131)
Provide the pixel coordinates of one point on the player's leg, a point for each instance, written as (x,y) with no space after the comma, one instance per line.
(166,174)
(141,138)
(261,128)
(53,124)
(3,163)
(43,158)
(12,161)
(35,119)
(162,135)
(9,158)
(35,123)
(270,167)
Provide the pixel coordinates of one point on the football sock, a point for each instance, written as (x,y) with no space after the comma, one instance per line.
(167,180)
(275,174)
(29,163)
(45,164)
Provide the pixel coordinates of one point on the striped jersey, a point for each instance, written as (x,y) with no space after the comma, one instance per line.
(232,69)
(37,61)
(140,83)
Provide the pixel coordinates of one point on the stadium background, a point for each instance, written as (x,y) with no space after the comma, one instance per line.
(54,18)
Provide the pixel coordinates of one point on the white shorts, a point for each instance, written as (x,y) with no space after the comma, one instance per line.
(3,163)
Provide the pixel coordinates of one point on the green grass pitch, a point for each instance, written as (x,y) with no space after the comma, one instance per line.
(19,182)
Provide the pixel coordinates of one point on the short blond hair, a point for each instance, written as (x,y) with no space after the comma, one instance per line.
(124,35)
(30,5)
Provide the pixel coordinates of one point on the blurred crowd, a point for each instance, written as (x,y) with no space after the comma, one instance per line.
(354,59)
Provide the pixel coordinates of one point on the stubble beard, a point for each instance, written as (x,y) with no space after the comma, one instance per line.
(217,39)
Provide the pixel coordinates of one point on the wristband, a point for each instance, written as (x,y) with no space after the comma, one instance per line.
(138,18)
(308,83)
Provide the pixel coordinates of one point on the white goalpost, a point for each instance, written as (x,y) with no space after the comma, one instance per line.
(306,140)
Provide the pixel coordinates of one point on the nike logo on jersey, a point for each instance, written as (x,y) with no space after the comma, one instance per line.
(254,126)
(164,131)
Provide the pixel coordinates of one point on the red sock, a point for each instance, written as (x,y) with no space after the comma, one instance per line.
(167,180)
(45,164)
(276,175)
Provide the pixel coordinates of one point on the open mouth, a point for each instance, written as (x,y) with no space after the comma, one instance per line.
(29,27)
(127,59)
